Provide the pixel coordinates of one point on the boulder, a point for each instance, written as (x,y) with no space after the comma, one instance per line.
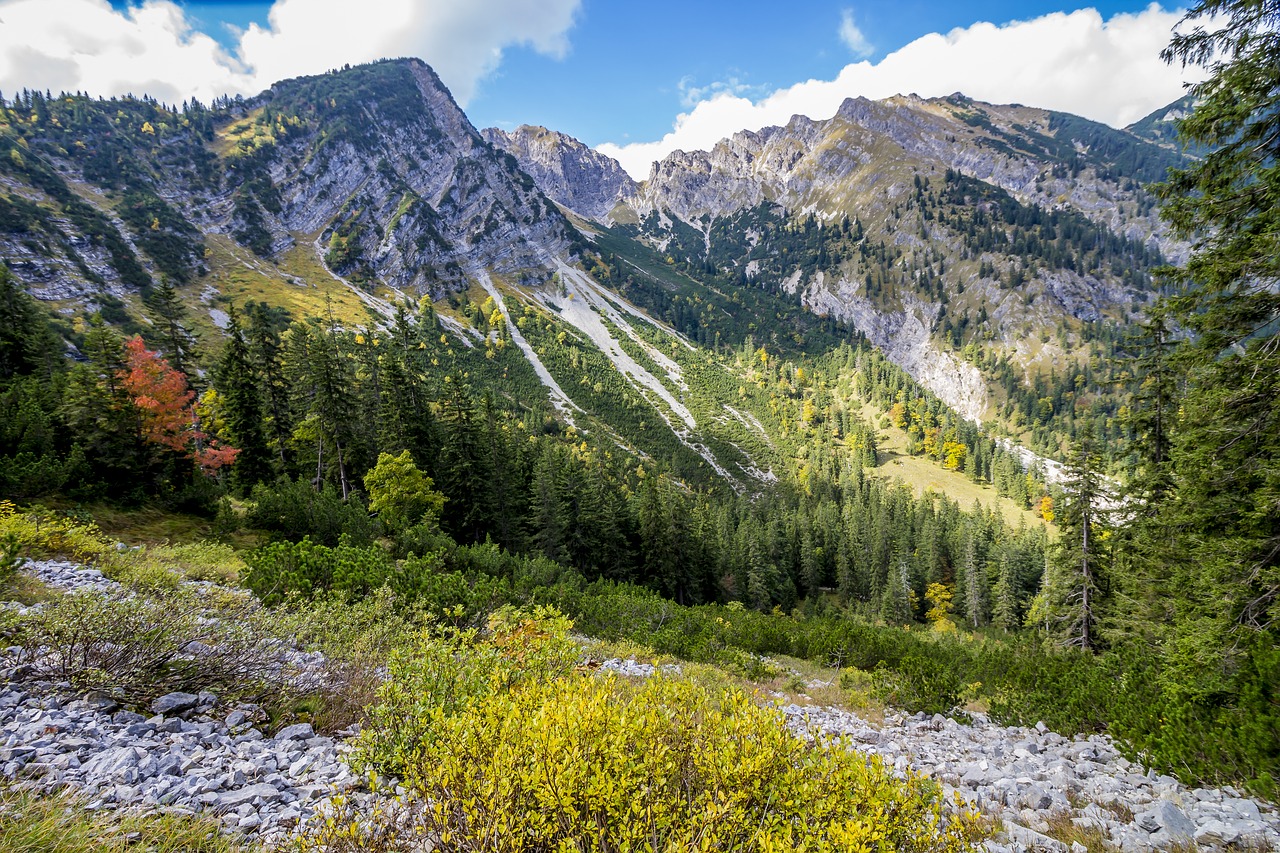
(174,703)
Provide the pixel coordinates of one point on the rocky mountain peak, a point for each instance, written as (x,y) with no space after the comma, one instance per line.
(571,174)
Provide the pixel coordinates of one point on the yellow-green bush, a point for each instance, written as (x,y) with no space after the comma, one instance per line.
(447,669)
(38,532)
(501,747)
(590,763)
(197,561)
(42,533)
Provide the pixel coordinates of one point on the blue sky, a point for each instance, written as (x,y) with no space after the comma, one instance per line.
(637,79)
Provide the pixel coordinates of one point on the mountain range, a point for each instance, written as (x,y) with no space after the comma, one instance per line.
(989,251)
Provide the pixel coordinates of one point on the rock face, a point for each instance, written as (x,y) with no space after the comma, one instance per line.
(867,149)
(414,196)
(571,174)
(374,170)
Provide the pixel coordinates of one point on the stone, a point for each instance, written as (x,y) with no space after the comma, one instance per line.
(1029,838)
(299,731)
(174,703)
(1167,819)
(1216,832)
(247,794)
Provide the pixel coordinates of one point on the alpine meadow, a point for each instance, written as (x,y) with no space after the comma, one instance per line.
(902,479)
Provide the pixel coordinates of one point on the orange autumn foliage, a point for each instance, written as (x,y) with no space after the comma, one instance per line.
(165,405)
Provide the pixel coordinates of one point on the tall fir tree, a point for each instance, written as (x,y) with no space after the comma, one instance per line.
(1224,510)
(172,332)
(238,384)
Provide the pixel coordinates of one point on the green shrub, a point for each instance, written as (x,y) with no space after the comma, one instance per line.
(11,557)
(356,638)
(447,668)
(501,747)
(140,647)
(282,569)
(293,510)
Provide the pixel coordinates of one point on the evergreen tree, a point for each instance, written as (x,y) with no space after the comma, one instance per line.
(27,343)
(242,406)
(266,349)
(322,381)
(1071,598)
(1225,450)
(173,329)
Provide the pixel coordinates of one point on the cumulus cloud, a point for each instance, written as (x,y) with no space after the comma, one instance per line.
(87,45)
(1107,70)
(853,37)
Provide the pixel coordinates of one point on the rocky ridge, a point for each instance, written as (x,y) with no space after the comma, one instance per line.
(374,171)
(867,162)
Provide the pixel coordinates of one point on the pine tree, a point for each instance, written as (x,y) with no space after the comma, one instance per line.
(1005,604)
(322,380)
(242,406)
(1225,449)
(898,604)
(27,343)
(173,328)
(266,349)
(974,580)
(1073,589)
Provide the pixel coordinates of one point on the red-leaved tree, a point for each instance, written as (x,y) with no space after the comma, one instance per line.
(165,405)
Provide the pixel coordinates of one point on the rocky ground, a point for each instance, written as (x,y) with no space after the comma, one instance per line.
(1023,776)
(190,754)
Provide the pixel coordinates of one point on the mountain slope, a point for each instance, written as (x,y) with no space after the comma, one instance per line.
(375,166)
(966,240)
(677,333)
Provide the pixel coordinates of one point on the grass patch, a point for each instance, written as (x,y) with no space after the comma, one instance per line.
(1094,839)
(33,824)
(146,524)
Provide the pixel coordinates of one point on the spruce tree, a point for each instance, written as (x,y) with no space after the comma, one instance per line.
(242,406)
(172,326)
(27,343)
(1072,593)
(1225,449)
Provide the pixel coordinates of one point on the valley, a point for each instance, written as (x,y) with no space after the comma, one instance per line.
(957,414)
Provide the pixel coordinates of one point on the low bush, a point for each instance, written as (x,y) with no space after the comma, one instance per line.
(140,646)
(447,669)
(43,533)
(357,639)
(294,509)
(198,561)
(502,747)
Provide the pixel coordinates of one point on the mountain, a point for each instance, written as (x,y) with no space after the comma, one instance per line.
(958,236)
(1160,126)
(375,167)
(571,174)
(986,250)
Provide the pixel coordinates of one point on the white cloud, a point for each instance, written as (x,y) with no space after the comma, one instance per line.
(853,37)
(87,45)
(691,95)
(1107,70)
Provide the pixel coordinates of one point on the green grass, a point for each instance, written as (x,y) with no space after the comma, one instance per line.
(34,824)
